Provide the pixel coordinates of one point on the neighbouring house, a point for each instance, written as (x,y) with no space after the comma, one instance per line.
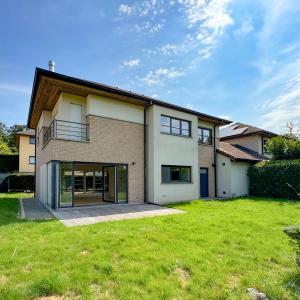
(25,141)
(99,144)
(240,146)
(233,162)
(251,137)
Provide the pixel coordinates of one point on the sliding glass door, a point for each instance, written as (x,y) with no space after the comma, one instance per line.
(122,184)
(109,184)
(66,185)
(82,184)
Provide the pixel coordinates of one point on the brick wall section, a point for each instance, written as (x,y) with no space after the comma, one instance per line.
(206,160)
(111,141)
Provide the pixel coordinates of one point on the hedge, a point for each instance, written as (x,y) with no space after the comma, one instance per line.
(18,183)
(278,179)
(9,163)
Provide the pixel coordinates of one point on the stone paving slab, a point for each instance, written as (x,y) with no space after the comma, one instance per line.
(105,213)
(33,209)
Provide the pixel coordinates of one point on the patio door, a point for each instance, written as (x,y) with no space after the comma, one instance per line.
(109,184)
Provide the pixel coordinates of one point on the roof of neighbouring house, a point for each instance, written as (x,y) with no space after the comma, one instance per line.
(239,129)
(240,153)
(48,85)
(30,132)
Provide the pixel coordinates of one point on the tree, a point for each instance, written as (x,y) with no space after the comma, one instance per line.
(4,148)
(281,147)
(292,131)
(10,137)
(3,131)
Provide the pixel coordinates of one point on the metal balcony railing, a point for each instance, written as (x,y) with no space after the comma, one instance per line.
(66,130)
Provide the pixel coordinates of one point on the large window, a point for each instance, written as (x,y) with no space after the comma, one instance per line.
(175,126)
(205,136)
(175,174)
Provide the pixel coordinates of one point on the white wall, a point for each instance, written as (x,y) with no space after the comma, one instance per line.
(61,110)
(239,179)
(232,177)
(223,176)
(164,149)
(114,109)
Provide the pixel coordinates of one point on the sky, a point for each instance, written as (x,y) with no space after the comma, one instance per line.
(235,59)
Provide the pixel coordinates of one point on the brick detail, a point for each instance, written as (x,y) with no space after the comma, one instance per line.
(111,141)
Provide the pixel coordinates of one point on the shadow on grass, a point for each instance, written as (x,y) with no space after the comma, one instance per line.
(292,283)
(280,201)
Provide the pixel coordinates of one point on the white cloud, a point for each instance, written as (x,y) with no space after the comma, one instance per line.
(149,27)
(159,76)
(169,49)
(143,8)
(284,107)
(246,27)
(189,106)
(126,9)
(15,88)
(131,63)
(208,20)
(226,117)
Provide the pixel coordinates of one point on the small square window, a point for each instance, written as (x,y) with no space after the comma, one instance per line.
(32,140)
(31,160)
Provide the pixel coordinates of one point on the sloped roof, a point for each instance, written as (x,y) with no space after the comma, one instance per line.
(240,129)
(30,132)
(48,85)
(240,153)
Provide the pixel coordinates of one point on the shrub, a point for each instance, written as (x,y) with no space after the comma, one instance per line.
(294,233)
(279,179)
(9,163)
(19,183)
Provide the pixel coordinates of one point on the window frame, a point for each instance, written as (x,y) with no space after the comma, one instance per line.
(264,141)
(171,128)
(210,143)
(180,181)
(30,139)
(31,163)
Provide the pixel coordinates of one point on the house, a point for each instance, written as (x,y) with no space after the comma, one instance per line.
(233,162)
(98,144)
(25,141)
(251,137)
(240,146)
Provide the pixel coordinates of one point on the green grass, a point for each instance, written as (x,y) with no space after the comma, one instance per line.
(214,251)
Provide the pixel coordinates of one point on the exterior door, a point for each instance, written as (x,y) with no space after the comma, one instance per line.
(203,182)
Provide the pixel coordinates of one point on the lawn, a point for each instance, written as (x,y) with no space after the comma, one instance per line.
(214,251)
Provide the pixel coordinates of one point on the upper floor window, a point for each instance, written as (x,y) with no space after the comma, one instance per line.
(31,160)
(175,126)
(205,136)
(32,140)
(175,174)
(265,150)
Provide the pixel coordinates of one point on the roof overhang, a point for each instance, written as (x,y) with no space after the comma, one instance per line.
(237,158)
(48,85)
(261,132)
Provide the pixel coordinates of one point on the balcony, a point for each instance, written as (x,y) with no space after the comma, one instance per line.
(66,130)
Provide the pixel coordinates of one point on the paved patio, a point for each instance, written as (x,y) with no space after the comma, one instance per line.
(32,209)
(95,214)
